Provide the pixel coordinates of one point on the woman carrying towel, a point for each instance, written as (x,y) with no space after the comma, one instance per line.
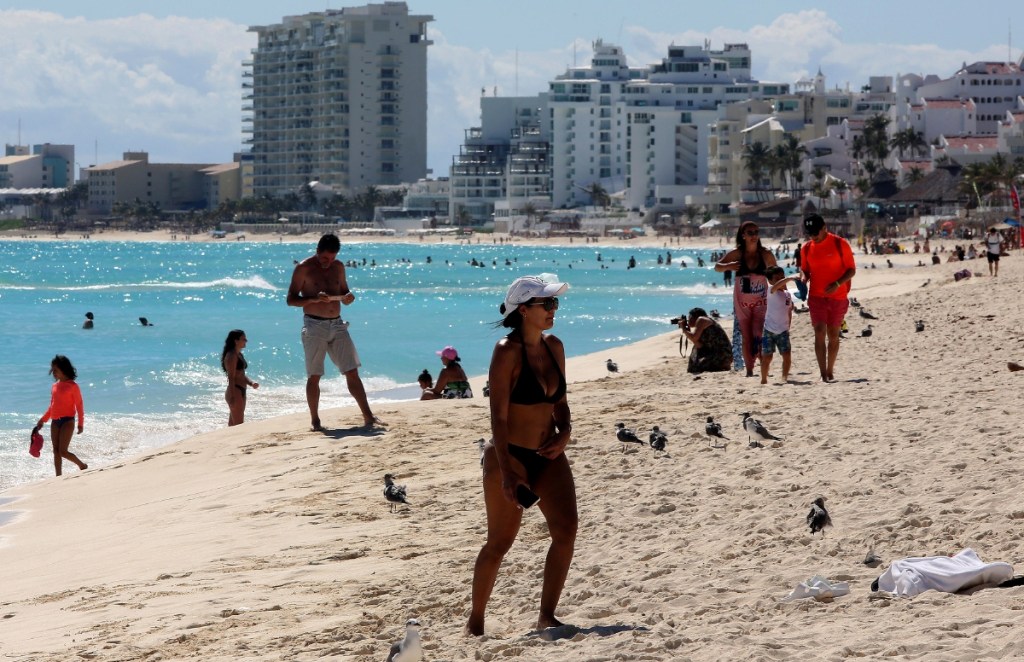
(530,424)
(65,404)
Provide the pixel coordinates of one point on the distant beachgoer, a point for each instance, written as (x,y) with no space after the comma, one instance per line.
(828,267)
(452,381)
(749,260)
(530,425)
(65,404)
(994,247)
(712,349)
(319,287)
(234,365)
(87,324)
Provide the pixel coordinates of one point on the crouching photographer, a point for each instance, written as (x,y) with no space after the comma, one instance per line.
(712,349)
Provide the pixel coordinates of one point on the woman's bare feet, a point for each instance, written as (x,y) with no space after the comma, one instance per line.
(474,628)
(545,622)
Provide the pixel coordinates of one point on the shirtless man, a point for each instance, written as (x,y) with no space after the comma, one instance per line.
(319,287)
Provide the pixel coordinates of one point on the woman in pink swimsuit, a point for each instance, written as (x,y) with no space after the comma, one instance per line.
(750,287)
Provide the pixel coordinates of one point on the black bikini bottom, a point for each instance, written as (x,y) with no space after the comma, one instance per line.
(241,388)
(532,462)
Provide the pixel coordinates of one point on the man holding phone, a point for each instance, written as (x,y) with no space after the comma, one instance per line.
(319,287)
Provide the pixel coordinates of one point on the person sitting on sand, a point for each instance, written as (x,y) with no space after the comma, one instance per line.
(531,425)
(65,403)
(712,349)
(426,382)
(452,381)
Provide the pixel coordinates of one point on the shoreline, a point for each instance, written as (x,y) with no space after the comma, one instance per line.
(266,541)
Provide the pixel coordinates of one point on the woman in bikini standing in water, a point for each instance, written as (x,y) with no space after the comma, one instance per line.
(749,260)
(65,403)
(234,364)
(530,424)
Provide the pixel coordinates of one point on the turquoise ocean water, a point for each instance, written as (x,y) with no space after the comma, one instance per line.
(146,387)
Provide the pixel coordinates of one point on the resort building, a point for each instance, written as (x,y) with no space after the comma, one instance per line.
(339,97)
(505,162)
(43,166)
(133,179)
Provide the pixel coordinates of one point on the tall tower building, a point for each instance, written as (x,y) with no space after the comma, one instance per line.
(339,97)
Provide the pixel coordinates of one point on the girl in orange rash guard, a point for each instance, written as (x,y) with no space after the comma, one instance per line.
(65,403)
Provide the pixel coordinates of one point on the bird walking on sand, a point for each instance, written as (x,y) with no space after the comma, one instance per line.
(866,315)
(612,366)
(409,648)
(854,302)
(626,436)
(866,333)
(925,284)
(714,431)
(657,439)
(818,518)
(757,432)
(870,559)
(395,494)
(919,326)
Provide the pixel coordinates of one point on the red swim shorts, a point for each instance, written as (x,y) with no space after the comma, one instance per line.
(829,312)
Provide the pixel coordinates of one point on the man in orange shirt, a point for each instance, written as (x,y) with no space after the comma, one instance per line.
(828,267)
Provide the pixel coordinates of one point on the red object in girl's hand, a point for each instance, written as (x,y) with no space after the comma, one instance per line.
(36,444)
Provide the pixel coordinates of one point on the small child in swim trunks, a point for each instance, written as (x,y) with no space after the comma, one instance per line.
(777,321)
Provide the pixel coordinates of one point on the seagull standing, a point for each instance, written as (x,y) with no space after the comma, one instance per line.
(866,333)
(818,518)
(409,648)
(866,315)
(657,439)
(757,432)
(919,326)
(395,494)
(626,436)
(612,366)
(714,430)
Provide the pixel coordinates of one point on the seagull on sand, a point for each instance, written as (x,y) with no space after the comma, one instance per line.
(818,518)
(919,326)
(757,432)
(409,648)
(395,494)
(854,302)
(870,559)
(714,430)
(626,436)
(866,333)
(926,283)
(657,439)
(612,366)
(866,315)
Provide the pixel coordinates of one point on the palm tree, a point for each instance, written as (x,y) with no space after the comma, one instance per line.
(913,176)
(841,188)
(755,160)
(529,209)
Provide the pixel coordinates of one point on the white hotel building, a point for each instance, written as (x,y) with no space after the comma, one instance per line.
(339,97)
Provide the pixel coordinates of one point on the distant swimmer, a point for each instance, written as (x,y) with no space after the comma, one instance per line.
(87,324)
(144,322)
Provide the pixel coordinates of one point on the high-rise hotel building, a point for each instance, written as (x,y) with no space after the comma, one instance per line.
(339,97)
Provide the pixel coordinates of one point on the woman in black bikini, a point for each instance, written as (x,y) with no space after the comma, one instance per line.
(530,424)
(234,364)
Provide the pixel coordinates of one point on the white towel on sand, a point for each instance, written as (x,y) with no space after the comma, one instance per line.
(909,577)
(819,588)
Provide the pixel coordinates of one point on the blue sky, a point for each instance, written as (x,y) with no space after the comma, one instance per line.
(118,75)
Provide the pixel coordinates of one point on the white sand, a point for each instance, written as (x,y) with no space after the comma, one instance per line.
(270,542)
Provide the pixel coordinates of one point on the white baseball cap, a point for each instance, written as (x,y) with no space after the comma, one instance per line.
(530,287)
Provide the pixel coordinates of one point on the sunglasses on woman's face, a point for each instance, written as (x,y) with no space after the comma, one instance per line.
(549,304)
(751,233)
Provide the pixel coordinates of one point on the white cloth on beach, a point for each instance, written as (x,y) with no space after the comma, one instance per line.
(909,577)
(819,588)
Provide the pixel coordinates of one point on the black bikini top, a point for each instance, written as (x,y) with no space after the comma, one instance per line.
(759,269)
(528,390)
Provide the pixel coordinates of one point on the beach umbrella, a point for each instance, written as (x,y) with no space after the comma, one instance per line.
(710,224)
(1002,226)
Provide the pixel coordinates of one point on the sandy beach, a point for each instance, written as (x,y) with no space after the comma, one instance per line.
(270,542)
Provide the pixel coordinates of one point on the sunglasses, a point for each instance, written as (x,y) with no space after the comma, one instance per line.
(549,304)
(751,233)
